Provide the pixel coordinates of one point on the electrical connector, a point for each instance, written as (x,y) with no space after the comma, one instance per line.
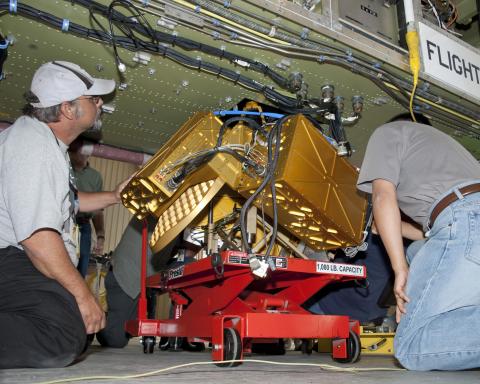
(328,92)
(241,63)
(258,267)
(142,58)
(122,68)
(350,119)
(271,263)
(167,23)
(357,104)
(344,149)
(108,108)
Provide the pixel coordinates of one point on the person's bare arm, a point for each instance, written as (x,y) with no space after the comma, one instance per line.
(94,201)
(389,225)
(409,231)
(46,250)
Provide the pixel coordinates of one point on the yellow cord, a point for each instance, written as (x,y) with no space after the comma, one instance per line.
(435,105)
(414,56)
(226,21)
(325,367)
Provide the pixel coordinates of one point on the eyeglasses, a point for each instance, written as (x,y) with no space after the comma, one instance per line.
(95,99)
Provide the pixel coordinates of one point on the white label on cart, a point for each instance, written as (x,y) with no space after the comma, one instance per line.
(174,273)
(341,269)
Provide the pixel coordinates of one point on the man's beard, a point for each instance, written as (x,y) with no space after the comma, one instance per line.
(97,125)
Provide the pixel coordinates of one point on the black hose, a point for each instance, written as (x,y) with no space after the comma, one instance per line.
(269,175)
(226,124)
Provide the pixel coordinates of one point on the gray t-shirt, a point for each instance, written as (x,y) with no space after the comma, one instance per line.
(126,258)
(34,184)
(421,161)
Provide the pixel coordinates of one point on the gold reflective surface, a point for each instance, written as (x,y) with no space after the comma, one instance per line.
(317,199)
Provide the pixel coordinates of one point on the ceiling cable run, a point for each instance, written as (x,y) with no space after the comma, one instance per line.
(313,51)
(355,64)
(123,21)
(428,103)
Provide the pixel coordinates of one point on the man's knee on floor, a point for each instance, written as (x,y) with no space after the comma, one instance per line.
(61,348)
(59,361)
(412,363)
(64,330)
(49,347)
(113,340)
(413,353)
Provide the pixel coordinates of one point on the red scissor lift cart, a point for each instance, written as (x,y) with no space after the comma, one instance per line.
(295,176)
(228,306)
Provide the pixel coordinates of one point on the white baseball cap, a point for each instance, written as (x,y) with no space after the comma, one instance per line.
(58,81)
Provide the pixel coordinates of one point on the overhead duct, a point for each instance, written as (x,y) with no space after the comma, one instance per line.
(104,151)
(113,153)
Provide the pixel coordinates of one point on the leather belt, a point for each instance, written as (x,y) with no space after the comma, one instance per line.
(450,198)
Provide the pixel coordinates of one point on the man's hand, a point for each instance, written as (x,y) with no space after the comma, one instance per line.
(400,295)
(94,201)
(92,314)
(118,190)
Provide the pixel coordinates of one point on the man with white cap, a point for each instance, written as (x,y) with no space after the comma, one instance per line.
(46,309)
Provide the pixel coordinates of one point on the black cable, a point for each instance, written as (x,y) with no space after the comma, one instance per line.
(112,35)
(226,124)
(193,164)
(184,43)
(478,14)
(244,160)
(271,165)
(3,53)
(134,44)
(290,104)
(336,128)
(283,82)
(113,15)
(278,135)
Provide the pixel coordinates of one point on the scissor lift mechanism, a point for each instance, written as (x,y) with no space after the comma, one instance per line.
(234,309)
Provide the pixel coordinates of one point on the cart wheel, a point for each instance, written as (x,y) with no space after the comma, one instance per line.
(192,347)
(353,349)
(148,344)
(307,346)
(232,347)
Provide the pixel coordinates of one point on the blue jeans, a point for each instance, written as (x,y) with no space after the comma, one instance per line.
(440,329)
(85,247)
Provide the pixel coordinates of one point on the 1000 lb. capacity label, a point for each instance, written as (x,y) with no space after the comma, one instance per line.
(341,269)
